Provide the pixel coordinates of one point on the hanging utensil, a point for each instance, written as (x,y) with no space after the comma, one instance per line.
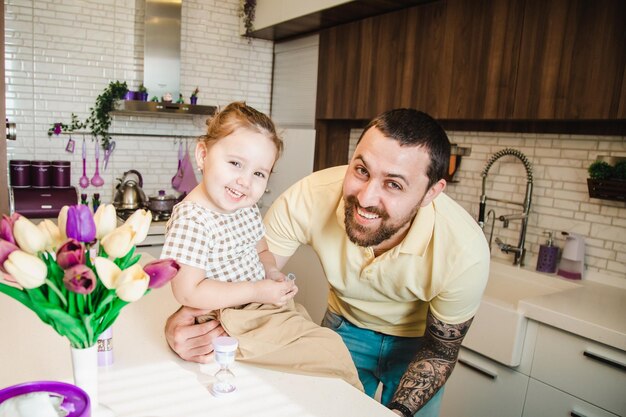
(84,181)
(107,153)
(97,180)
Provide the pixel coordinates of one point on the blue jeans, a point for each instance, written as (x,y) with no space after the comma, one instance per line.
(380,358)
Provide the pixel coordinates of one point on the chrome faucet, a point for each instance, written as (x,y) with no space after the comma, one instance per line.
(519,251)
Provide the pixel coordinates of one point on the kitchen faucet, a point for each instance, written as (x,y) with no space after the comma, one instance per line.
(519,251)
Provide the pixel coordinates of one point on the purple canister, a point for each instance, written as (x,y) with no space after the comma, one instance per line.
(19,173)
(61,174)
(74,400)
(40,174)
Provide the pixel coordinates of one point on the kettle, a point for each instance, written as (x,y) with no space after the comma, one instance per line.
(129,195)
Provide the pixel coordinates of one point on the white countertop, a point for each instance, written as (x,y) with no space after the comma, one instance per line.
(593,310)
(147,379)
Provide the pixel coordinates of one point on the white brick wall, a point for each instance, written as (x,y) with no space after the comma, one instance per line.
(560,200)
(61,54)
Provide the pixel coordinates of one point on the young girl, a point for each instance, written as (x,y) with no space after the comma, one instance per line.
(216,231)
(217,236)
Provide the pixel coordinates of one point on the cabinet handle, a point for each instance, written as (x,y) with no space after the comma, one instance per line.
(478,368)
(602,358)
(575,414)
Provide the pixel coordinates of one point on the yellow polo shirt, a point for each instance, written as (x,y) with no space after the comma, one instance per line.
(443,262)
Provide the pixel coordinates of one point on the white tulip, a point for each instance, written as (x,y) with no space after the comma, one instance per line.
(140,222)
(62,222)
(52,233)
(105,219)
(117,243)
(28,236)
(107,271)
(132,283)
(28,270)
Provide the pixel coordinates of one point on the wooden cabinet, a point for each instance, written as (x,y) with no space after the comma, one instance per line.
(479,60)
(481,387)
(571,60)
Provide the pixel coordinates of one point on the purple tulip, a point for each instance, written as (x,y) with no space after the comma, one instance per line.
(161,272)
(80,224)
(71,253)
(79,279)
(6,227)
(57,128)
(6,248)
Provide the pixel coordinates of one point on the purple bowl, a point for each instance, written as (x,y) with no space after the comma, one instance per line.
(76,401)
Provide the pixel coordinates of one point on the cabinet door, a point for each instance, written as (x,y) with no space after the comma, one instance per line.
(479,387)
(581,367)
(571,62)
(543,400)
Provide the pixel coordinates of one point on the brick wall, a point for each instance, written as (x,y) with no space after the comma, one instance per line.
(560,200)
(61,54)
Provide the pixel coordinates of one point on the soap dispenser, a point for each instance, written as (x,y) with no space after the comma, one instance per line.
(573,257)
(548,255)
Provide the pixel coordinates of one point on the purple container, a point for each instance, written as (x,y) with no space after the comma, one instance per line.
(19,173)
(131,95)
(40,174)
(75,400)
(61,174)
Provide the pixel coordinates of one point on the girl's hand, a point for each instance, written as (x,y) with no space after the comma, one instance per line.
(275,275)
(275,292)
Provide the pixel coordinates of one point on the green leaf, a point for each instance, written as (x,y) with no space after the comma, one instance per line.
(55,295)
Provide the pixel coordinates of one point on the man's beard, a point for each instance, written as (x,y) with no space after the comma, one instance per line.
(371,237)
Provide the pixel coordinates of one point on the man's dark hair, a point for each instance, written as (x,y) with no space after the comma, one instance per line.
(411,127)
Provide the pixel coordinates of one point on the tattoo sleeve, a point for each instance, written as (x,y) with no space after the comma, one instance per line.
(432,364)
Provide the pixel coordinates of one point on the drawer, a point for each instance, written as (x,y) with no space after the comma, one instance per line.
(586,369)
(480,387)
(542,400)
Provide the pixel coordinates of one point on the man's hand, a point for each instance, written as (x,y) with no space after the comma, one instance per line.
(191,341)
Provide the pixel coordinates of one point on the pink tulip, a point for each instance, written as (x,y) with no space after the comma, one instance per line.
(161,272)
(80,279)
(6,227)
(71,253)
(6,248)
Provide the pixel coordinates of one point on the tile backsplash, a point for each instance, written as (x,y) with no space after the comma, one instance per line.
(60,55)
(560,200)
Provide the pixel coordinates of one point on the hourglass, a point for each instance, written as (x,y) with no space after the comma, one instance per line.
(224,348)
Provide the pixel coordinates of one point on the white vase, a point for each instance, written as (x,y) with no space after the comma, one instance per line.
(85,371)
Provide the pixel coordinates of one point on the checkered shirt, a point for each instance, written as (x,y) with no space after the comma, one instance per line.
(224,245)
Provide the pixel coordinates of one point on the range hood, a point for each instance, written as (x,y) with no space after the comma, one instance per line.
(161,64)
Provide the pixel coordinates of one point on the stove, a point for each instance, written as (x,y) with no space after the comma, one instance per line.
(157,216)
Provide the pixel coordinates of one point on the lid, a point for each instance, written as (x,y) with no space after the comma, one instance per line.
(225,344)
(40,163)
(61,163)
(19,162)
(75,400)
(162,196)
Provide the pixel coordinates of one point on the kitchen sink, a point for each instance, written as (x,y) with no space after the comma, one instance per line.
(499,327)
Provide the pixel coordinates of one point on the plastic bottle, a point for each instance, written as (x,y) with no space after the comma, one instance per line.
(548,256)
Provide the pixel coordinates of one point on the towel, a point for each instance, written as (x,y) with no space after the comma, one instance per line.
(185,179)
(286,339)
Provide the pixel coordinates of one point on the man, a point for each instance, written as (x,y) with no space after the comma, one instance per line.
(406,265)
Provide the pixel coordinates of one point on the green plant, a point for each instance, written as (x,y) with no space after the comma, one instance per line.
(246,11)
(100,119)
(142,88)
(59,127)
(195,92)
(600,170)
(619,170)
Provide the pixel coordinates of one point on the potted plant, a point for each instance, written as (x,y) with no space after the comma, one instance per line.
(246,11)
(607,178)
(193,99)
(142,93)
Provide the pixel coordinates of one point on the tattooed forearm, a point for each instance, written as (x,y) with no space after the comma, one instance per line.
(432,365)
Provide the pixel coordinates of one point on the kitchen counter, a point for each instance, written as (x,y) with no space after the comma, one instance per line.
(593,310)
(147,379)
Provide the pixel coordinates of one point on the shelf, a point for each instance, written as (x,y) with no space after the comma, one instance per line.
(607,189)
(151,108)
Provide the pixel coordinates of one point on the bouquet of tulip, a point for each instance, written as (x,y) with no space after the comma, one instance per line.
(78,274)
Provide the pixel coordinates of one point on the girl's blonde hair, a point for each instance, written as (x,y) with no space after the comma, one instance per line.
(238,115)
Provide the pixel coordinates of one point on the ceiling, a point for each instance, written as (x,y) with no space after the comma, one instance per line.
(343,13)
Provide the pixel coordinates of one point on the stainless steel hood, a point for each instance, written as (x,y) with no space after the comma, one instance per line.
(161,62)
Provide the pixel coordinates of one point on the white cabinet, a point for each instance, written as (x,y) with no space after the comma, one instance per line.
(544,400)
(480,387)
(587,370)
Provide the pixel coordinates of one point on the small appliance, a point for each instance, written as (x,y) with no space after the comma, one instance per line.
(41,203)
(573,257)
